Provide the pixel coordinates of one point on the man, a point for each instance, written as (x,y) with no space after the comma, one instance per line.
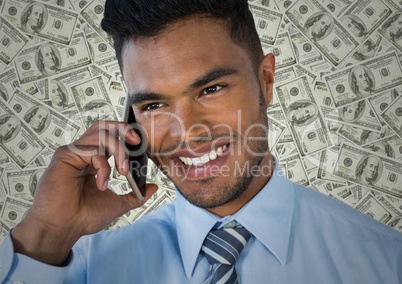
(184,62)
(355,25)
(392,28)
(58,95)
(32,19)
(352,112)
(8,126)
(47,61)
(361,81)
(318,26)
(37,118)
(302,112)
(367,171)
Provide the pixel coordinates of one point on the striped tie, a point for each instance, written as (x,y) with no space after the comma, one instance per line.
(222,248)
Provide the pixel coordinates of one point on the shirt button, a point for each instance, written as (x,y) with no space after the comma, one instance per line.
(231,224)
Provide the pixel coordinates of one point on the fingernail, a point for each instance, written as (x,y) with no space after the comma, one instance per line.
(125,166)
(106,184)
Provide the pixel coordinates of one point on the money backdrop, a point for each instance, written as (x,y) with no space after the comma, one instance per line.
(335,123)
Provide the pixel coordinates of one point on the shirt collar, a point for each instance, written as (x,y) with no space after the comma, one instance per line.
(268,216)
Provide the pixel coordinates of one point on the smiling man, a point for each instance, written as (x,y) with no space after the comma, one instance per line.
(199,86)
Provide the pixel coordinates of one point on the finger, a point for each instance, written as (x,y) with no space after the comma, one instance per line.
(116,128)
(131,202)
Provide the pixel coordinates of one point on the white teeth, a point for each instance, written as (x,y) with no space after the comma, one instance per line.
(200,161)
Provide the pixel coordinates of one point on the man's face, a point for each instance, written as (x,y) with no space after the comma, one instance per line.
(321,25)
(352,25)
(349,111)
(362,79)
(38,119)
(303,113)
(35,17)
(197,96)
(395,29)
(56,94)
(371,168)
(8,127)
(49,58)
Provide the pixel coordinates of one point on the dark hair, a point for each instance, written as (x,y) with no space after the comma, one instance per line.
(39,61)
(125,20)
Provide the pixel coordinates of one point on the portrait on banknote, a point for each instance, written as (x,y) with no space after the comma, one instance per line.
(48,59)
(9,127)
(355,25)
(392,28)
(58,95)
(33,181)
(3,92)
(382,148)
(368,170)
(302,112)
(38,117)
(361,81)
(319,26)
(366,50)
(97,110)
(33,18)
(352,112)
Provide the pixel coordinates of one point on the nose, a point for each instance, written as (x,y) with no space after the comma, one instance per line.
(189,122)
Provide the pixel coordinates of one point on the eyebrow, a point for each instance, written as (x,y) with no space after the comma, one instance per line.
(210,76)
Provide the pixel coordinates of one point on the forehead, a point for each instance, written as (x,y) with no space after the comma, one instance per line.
(37,8)
(180,54)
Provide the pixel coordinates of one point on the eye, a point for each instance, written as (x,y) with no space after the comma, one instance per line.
(152,106)
(211,89)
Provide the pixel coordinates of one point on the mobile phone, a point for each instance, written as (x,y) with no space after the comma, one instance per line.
(138,158)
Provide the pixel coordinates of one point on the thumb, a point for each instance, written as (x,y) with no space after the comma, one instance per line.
(131,202)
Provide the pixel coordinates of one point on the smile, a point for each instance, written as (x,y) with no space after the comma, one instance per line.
(207,157)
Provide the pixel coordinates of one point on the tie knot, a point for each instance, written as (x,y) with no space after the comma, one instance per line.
(225,245)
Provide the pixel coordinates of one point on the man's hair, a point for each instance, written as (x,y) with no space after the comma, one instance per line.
(354,86)
(27,14)
(126,20)
(39,61)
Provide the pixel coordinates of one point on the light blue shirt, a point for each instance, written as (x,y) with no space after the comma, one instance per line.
(298,236)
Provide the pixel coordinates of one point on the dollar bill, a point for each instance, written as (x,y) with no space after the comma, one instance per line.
(301,71)
(41,20)
(20,143)
(276,129)
(93,14)
(336,7)
(285,74)
(392,116)
(363,17)
(101,52)
(372,207)
(11,41)
(359,166)
(283,50)
(22,184)
(44,60)
(381,101)
(359,114)
(303,116)
(8,83)
(306,52)
(53,127)
(295,170)
(390,30)
(360,136)
(14,210)
(390,147)
(93,102)
(59,91)
(267,22)
(369,78)
(331,39)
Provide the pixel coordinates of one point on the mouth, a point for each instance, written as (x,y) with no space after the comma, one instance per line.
(202,164)
(207,157)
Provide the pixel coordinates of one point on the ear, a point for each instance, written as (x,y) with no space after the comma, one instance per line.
(266,72)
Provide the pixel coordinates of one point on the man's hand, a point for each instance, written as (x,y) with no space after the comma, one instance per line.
(72,198)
